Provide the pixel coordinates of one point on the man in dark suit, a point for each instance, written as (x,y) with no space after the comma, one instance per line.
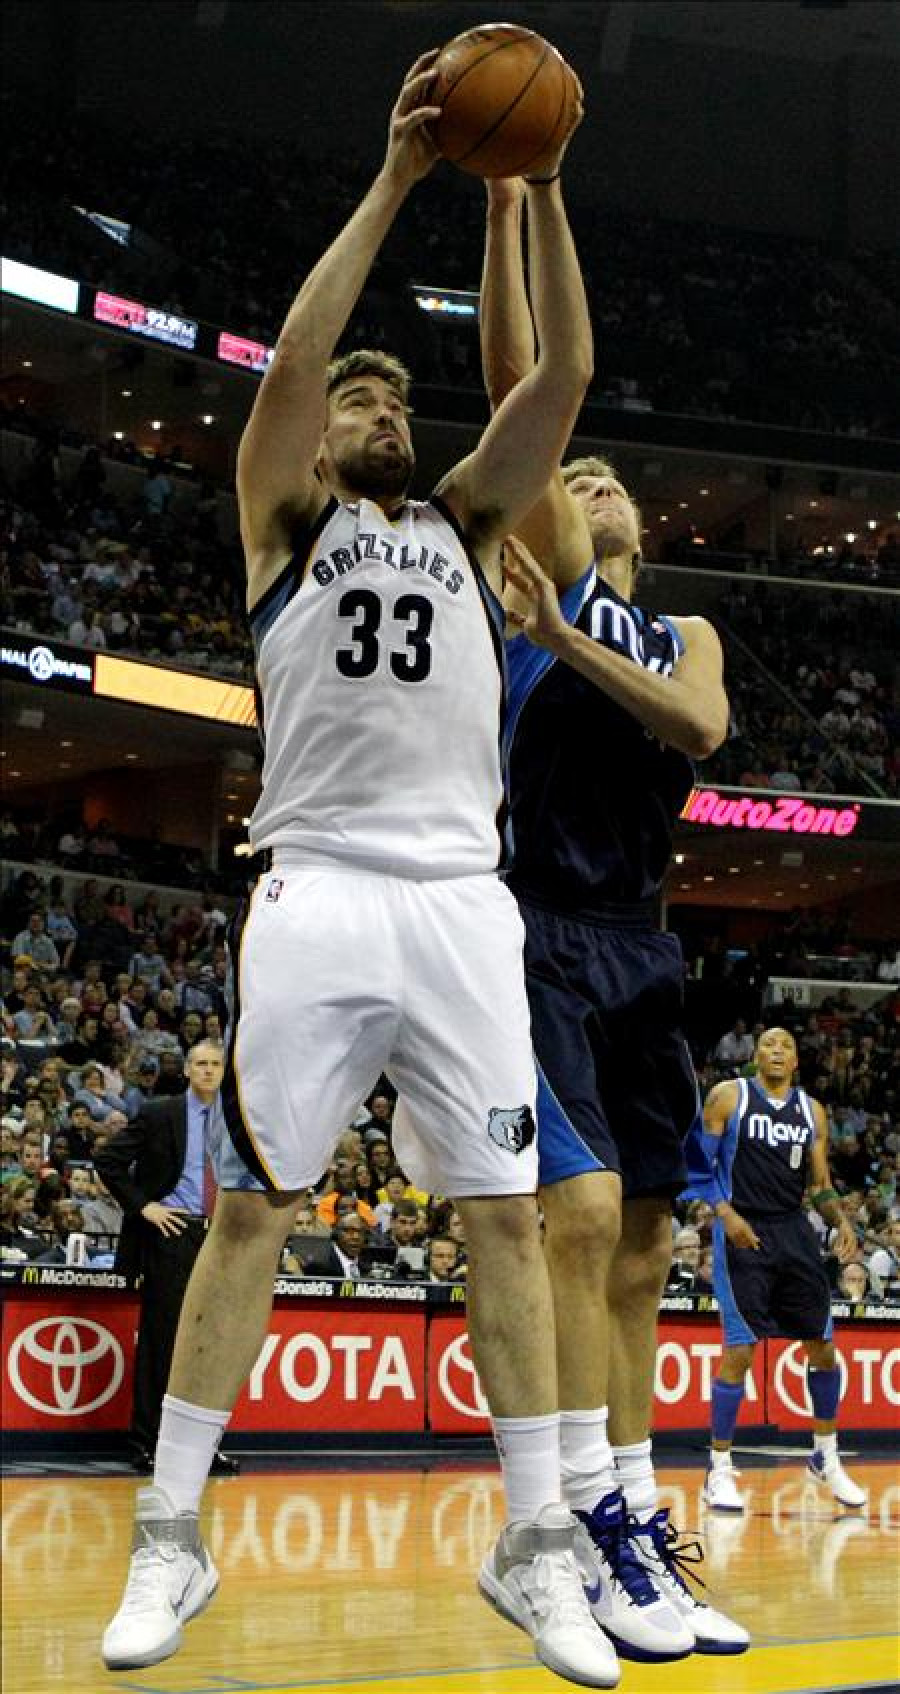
(340,1256)
(159,1170)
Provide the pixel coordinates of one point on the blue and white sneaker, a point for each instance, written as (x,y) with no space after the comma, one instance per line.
(623,1596)
(830,1473)
(668,1559)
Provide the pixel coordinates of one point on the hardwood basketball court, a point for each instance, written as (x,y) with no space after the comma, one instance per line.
(362,1579)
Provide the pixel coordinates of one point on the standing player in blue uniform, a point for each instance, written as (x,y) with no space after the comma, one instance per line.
(762,1145)
(608,706)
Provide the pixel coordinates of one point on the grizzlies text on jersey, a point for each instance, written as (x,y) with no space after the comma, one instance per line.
(380,680)
(593,796)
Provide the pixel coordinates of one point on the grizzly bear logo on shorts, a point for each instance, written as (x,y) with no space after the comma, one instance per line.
(511,1127)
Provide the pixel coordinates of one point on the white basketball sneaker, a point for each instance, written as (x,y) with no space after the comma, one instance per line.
(171,1578)
(668,1558)
(624,1598)
(827,1470)
(720,1490)
(531,1577)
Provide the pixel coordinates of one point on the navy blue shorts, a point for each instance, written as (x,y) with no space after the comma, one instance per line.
(778,1288)
(616,1085)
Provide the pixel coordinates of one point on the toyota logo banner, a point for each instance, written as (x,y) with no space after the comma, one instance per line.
(68,1367)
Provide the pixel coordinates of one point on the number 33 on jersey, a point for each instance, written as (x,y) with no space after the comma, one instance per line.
(380,694)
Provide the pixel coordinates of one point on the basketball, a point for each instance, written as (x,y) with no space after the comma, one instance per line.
(507,97)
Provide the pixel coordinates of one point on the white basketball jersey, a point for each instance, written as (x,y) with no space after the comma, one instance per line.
(379,668)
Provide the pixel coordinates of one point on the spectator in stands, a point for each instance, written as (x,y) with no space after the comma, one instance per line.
(102,1214)
(89,909)
(72,843)
(442,1259)
(379,1155)
(150,1039)
(61,927)
(158,491)
(93,1093)
(80,1129)
(170,1076)
(394,1189)
(117,905)
(685,1261)
(703,1276)
(33,1022)
(344,1183)
(853,1281)
(20,1233)
(85,1043)
(735,1048)
(403,1228)
(148,964)
(348,1238)
(33,943)
(191,991)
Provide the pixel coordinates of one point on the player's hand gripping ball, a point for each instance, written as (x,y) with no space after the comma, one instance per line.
(509,102)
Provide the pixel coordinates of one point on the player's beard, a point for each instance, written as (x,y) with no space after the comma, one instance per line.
(375,470)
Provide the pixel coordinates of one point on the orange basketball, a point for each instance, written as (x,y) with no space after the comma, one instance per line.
(507,98)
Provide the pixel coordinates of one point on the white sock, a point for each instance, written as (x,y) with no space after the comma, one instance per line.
(586,1458)
(634,1467)
(826,1444)
(529,1459)
(188,1438)
(720,1460)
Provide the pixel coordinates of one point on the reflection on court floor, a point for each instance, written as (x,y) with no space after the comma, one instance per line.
(364,1580)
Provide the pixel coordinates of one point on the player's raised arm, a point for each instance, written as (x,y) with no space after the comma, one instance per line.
(555,528)
(496,486)
(277,455)
(687,710)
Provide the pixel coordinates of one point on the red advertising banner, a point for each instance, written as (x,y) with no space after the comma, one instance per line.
(686,1362)
(68,1365)
(456,1404)
(68,1359)
(687,1358)
(337,1369)
(870,1380)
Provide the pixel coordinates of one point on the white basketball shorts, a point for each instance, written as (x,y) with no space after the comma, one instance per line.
(339,974)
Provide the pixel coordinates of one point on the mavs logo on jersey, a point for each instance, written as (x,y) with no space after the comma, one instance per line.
(765,1149)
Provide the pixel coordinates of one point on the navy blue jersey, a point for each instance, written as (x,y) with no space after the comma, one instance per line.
(593,796)
(765,1150)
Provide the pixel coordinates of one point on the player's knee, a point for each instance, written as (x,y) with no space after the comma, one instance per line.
(821,1355)
(247,1220)
(583,1224)
(494,1228)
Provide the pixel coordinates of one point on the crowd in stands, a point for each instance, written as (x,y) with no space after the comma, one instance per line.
(693,318)
(812,689)
(78,562)
(811,681)
(105,994)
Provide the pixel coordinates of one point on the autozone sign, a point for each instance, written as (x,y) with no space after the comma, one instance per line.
(337,1369)
(68,1366)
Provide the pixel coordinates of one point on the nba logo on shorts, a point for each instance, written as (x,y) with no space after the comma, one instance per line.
(511,1128)
(276,884)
